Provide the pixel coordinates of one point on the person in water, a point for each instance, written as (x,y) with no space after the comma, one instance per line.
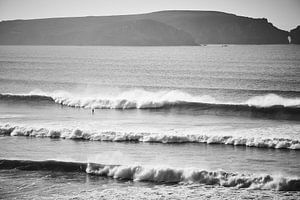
(93,111)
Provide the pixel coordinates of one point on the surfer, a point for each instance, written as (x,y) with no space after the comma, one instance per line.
(93,111)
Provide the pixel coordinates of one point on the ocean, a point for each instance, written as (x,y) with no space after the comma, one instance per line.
(205,122)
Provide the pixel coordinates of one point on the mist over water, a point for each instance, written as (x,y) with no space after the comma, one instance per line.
(197,117)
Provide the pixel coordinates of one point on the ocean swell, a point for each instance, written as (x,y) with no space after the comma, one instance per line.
(268,106)
(158,174)
(142,99)
(113,136)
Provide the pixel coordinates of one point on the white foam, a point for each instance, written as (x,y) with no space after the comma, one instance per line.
(272,100)
(172,175)
(138,98)
(250,140)
(129,99)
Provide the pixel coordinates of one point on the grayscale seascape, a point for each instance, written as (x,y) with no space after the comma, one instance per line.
(163,115)
(162,105)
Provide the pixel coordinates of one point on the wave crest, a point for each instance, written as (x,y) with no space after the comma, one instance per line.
(173,175)
(158,174)
(112,136)
(269,106)
(142,99)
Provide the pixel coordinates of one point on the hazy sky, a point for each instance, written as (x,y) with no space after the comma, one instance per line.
(284,14)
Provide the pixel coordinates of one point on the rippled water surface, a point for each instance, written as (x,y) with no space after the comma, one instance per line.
(163,122)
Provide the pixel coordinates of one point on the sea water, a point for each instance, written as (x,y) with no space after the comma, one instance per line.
(150,122)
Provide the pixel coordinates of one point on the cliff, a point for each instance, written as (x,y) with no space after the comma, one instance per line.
(295,35)
(158,28)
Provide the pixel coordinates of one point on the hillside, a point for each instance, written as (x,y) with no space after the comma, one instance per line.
(158,28)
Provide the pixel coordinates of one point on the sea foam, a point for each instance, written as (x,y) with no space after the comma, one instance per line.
(114,136)
(158,174)
(173,175)
(141,99)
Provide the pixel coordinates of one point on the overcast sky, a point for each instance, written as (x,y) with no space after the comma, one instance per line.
(284,14)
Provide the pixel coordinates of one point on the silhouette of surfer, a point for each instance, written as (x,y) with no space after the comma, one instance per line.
(93,111)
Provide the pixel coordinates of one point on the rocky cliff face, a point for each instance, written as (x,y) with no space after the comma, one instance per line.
(211,27)
(295,35)
(158,28)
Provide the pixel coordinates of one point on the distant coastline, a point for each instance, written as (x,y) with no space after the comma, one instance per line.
(163,28)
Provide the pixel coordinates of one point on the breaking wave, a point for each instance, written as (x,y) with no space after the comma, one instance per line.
(158,174)
(270,105)
(144,99)
(112,136)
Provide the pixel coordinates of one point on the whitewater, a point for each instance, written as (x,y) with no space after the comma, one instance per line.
(141,99)
(113,136)
(150,122)
(160,174)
